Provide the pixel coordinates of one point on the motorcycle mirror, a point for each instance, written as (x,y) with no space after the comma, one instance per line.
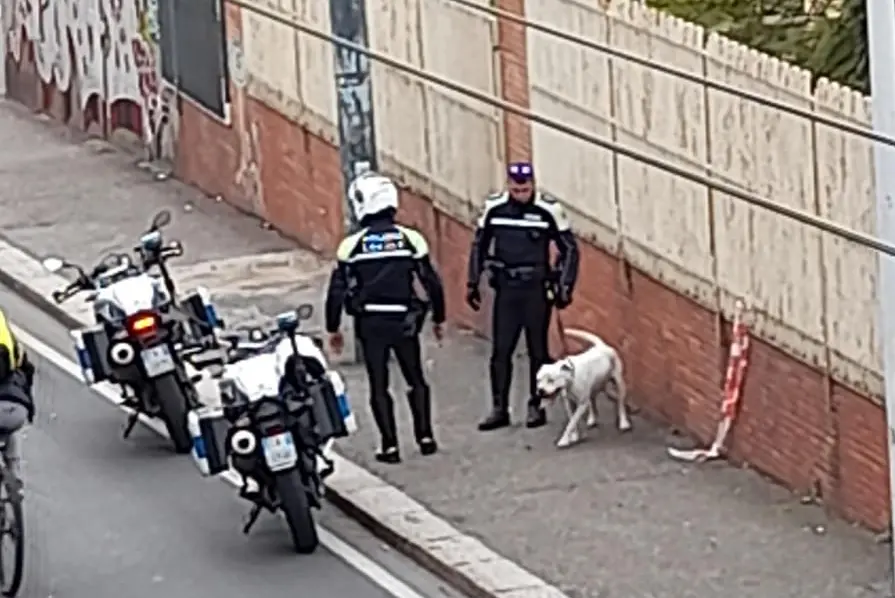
(53,264)
(151,241)
(304,311)
(287,321)
(161,219)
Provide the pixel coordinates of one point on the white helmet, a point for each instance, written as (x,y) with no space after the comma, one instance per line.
(371,193)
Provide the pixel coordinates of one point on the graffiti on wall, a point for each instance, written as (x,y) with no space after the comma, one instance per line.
(155,97)
(94,62)
(357,145)
(248,175)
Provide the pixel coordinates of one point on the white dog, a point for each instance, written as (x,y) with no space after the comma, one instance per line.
(580,379)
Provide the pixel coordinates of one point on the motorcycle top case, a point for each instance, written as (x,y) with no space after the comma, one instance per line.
(92,349)
(209,430)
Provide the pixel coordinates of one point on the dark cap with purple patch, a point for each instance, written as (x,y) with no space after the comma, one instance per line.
(520,172)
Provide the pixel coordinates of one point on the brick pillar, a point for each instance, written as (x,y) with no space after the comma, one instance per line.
(511,42)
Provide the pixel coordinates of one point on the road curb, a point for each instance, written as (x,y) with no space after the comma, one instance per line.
(388,513)
(408,548)
(28,292)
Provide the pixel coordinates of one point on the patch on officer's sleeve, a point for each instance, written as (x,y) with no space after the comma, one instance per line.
(557,210)
(348,245)
(492,200)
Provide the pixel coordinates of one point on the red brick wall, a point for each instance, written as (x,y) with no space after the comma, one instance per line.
(795,425)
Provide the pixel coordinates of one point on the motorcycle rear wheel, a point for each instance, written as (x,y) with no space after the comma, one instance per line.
(297,510)
(173,407)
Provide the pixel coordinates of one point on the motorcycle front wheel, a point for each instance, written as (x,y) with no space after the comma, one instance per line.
(173,407)
(297,510)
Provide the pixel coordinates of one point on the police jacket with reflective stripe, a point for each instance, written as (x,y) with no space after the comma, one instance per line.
(376,269)
(517,235)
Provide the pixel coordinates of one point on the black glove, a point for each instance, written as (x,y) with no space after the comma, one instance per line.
(473,297)
(562,297)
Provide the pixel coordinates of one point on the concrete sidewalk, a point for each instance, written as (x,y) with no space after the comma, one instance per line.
(612,517)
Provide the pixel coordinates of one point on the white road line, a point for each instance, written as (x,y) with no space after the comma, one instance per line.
(353,557)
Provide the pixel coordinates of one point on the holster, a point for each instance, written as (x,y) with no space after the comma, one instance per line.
(551,284)
(353,301)
(353,305)
(555,285)
(416,317)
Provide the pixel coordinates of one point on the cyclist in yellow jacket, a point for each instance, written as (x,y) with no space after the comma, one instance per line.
(16,401)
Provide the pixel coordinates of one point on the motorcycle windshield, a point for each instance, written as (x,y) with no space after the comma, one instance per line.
(131,295)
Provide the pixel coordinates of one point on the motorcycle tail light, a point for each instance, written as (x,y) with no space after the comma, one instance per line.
(143,324)
(274,429)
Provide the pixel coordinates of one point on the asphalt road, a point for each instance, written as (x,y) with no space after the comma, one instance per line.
(107,516)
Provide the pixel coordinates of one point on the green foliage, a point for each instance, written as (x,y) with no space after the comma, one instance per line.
(830,43)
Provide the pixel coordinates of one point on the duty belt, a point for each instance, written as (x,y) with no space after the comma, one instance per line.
(411,315)
(517,273)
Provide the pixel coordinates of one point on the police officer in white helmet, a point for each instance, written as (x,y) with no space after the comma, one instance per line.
(373,282)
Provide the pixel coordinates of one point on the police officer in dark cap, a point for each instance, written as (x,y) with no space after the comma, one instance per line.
(512,243)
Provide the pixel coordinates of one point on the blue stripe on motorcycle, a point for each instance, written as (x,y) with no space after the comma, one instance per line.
(344,406)
(199,448)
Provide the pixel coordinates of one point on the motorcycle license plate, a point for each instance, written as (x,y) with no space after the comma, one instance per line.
(157,361)
(279,451)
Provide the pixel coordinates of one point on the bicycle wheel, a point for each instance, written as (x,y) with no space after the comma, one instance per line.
(12,526)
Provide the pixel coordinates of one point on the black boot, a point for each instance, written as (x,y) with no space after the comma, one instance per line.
(389,455)
(496,420)
(428,446)
(537,417)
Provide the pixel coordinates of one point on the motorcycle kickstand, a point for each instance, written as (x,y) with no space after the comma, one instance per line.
(253,517)
(126,396)
(132,420)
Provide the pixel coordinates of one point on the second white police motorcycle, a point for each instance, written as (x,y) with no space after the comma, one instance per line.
(143,331)
(281,407)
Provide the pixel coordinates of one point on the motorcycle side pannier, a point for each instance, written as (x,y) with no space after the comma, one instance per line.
(327,410)
(92,348)
(204,316)
(209,429)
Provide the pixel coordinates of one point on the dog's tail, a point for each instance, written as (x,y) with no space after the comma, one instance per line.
(583,335)
(617,374)
(618,378)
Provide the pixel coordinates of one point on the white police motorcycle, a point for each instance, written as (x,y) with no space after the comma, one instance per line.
(142,331)
(281,408)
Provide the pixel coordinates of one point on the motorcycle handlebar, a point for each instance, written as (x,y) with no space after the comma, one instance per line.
(173,249)
(68,292)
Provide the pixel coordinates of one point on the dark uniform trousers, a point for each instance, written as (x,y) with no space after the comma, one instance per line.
(378,340)
(518,309)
